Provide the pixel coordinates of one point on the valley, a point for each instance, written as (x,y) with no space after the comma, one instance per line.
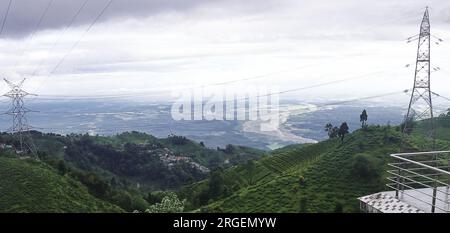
(133,171)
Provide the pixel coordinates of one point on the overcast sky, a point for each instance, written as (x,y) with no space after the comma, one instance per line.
(154,45)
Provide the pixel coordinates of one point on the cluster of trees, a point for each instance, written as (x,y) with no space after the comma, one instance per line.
(331,130)
(218,186)
(341,131)
(238,154)
(177,140)
(122,172)
(116,192)
(229,149)
(169,204)
(334,131)
(214,189)
(134,162)
(446,114)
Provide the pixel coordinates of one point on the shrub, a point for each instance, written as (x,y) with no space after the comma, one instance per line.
(169,204)
(364,168)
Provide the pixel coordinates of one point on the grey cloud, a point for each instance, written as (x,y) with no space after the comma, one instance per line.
(24,14)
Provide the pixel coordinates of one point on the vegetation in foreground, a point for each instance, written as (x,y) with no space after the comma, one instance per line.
(127,172)
(323,177)
(135,172)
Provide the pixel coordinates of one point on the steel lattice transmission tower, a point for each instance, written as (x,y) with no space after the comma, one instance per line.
(420,105)
(20,128)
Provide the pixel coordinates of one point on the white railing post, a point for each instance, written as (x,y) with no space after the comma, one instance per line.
(421,176)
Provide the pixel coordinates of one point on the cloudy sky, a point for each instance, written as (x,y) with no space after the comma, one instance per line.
(153,46)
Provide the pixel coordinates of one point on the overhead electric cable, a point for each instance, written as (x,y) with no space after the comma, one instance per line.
(36,28)
(5,18)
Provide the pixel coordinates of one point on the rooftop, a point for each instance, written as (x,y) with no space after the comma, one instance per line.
(387,203)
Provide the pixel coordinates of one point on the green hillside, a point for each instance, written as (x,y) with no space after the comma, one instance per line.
(125,172)
(442,127)
(323,177)
(30,186)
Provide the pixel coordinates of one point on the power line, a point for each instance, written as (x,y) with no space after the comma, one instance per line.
(331,82)
(281,92)
(36,28)
(99,113)
(6,17)
(364,98)
(71,22)
(82,36)
(312,86)
(71,97)
(61,61)
(265,75)
(180,89)
(214,84)
(84,98)
(137,112)
(412,15)
(439,95)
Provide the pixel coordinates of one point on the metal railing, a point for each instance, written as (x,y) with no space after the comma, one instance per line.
(422,179)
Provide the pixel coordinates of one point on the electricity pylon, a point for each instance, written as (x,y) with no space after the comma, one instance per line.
(420,105)
(20,128)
